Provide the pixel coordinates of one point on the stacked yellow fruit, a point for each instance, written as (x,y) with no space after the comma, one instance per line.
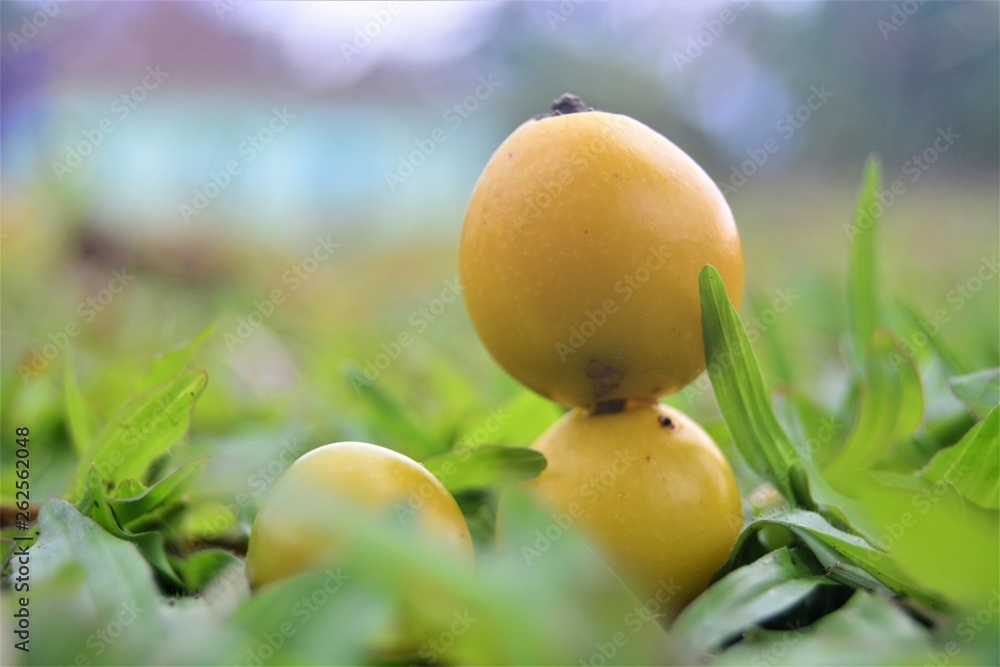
(579,263)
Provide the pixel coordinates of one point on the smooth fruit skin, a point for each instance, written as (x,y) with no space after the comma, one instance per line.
(653,492)
(363,478)
(580,254)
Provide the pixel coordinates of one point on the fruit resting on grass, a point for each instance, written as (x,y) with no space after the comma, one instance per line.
(580,253)
(653,492)
(372,483)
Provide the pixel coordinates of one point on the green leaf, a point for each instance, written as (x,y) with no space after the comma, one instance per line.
(848,559)
(78,417)
(164,493)
(486,466)
(863,280)
(742,398)
(114,569)
(890,408)
(972,465)
(868,630)
(150,543)
(948,549)
(744,598)
(139,432)
(394,418)
(980,391)
(173,362)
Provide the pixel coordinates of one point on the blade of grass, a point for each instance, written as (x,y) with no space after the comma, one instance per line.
(862,282)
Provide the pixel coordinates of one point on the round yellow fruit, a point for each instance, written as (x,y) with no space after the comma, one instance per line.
(373,483)
(580,254)
(652,491)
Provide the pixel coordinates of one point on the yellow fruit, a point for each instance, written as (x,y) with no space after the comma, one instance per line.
(580,253)
(653,492)
(374,483)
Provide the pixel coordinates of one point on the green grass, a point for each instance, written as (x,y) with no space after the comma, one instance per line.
(863,432)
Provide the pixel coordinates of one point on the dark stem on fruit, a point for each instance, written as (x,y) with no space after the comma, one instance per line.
(610,406)
(567,103)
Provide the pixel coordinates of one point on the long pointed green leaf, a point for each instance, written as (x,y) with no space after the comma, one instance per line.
(862,282)
(972,465)
(139,432)
(739,390)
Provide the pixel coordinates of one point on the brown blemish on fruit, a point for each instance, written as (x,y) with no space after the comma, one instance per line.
(667,422)
(604,378)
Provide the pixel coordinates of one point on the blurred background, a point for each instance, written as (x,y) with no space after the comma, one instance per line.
(297,173)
